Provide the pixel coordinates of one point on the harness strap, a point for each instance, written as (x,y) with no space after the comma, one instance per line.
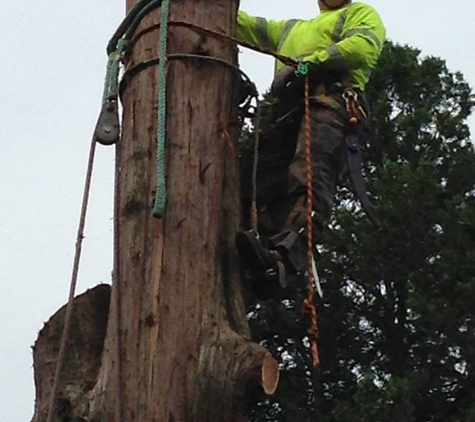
(354,154)
(355,166)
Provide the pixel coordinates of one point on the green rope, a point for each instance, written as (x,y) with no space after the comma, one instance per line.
(140,16)
(111,85)
(107,130)
(161,191)
(131,20)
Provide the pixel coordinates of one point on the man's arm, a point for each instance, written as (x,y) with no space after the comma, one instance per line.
(361,44)
(261,32)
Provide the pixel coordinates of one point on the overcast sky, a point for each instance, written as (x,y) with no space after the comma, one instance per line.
(52,71)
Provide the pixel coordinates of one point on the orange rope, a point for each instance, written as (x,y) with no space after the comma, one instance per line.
(308,303)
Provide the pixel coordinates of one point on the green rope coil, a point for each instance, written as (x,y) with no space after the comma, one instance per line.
(115,50)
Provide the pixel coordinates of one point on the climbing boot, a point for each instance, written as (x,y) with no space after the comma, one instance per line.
(291,241)
(264,268)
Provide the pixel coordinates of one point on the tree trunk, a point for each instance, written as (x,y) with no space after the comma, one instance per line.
(177,317)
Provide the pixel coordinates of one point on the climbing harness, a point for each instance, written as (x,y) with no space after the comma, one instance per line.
(354,154)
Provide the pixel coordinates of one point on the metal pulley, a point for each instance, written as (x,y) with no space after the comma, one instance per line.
(107,131)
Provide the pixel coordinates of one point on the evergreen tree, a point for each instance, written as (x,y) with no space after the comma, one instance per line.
(397,336)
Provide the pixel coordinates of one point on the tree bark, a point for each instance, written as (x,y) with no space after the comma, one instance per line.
(177,316)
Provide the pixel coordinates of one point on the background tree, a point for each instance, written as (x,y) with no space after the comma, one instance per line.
(397,318)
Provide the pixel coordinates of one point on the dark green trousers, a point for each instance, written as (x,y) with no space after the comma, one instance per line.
(282,175)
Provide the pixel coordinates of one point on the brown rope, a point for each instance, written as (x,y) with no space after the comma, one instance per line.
(308,303)
(72,287)
(284,59)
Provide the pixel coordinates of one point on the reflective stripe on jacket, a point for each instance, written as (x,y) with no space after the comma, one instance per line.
(350,38)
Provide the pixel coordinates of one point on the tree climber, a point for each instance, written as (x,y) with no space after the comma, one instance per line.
(340,47)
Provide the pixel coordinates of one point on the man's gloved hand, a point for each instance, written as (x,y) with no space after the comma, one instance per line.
(282,81)
(288,83)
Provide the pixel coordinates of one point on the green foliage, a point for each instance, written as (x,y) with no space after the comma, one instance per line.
(397,322)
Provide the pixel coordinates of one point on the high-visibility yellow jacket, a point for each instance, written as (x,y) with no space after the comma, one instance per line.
(349,38)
